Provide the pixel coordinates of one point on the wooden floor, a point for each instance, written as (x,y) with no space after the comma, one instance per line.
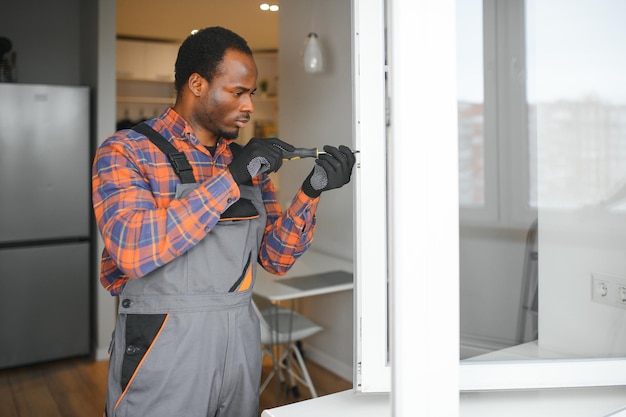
(77,388)
(325,383)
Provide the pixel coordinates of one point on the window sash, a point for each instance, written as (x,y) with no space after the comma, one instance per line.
(372,372)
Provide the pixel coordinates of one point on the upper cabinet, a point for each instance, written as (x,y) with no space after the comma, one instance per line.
(147,61)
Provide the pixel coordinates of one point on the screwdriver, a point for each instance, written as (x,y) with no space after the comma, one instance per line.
(304,153)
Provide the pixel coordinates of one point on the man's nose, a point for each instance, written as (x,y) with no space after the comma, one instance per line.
(247,105)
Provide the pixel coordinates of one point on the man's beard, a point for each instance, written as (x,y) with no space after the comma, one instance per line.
(233,134)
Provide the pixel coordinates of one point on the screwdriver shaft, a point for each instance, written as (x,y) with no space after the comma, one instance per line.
(304,153)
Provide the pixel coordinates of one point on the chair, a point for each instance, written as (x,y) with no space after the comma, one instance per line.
(292,328)
(527,329)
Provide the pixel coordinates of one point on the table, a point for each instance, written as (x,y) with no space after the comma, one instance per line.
(310,275)
(313,274)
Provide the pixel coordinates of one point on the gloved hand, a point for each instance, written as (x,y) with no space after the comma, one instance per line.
(257,157)
(332,170)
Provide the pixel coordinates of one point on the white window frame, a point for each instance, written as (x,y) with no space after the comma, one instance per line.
(542,374)
(489,212)
(381,190)
(509,46)
(424,208)
(425,252)
(505,125)
(371,205)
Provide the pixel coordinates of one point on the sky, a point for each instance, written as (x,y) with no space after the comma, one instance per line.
(469,50)
(575,49)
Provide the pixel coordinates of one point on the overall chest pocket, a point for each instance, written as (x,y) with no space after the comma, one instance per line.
(243,209)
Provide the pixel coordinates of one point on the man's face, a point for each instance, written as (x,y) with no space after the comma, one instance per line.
(227,104)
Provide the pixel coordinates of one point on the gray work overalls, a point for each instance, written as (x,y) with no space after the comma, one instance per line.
(187,342)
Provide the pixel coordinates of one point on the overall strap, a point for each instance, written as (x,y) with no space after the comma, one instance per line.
(177,159)
(235,148)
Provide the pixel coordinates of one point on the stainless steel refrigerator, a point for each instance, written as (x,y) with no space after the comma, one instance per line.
(45,301)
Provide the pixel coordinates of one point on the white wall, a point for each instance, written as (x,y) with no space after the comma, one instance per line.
(46,37)
(492,260)
(316,110)
(572,247)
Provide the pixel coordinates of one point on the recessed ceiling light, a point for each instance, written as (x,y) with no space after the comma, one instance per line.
(270,7)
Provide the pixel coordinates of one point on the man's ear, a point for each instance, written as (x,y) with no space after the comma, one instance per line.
(195,84)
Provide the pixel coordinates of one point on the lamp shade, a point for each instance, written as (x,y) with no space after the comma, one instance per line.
(313,57)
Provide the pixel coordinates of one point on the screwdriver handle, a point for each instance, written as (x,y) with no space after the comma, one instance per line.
(300,153)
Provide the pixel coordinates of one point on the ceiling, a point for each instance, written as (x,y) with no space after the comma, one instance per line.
(173,21)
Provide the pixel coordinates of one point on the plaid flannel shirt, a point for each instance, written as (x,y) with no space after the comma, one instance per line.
(144,227)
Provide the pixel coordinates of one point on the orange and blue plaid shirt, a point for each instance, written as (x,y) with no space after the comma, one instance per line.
(144,227)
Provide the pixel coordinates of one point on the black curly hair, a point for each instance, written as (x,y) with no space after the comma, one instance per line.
(203,52)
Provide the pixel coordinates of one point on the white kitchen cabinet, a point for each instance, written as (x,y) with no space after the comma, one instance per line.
(159,61)
(146,61)
(145,78)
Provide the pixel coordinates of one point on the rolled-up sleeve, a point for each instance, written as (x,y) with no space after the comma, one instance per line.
(288,234)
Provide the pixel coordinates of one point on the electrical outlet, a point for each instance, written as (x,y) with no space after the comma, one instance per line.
(608,289)
(621,295)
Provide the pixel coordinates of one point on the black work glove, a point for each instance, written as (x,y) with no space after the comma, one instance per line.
(332,170)
(257,157)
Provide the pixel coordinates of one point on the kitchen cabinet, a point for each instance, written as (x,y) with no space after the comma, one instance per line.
(160,60)
(146,61)
(130,59)
(145,79)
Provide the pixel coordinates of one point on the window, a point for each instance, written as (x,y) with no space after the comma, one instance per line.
(556,158)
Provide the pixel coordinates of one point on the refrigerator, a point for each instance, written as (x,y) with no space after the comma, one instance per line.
(45,233)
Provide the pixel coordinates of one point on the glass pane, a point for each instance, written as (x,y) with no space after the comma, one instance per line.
(555,288)
(470,103)
(579,98)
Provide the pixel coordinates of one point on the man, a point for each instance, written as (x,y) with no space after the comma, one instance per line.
(183,229)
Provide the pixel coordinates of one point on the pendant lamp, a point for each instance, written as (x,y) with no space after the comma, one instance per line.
(313,58)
